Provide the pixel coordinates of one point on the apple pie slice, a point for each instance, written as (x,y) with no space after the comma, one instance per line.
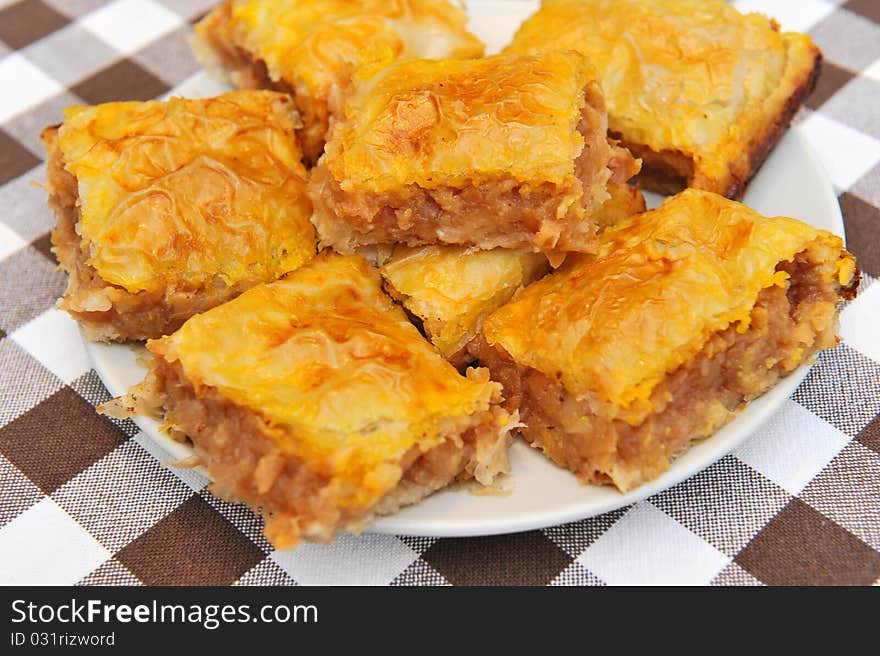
(618,361)
(166,209)
(506,151)
(314,399)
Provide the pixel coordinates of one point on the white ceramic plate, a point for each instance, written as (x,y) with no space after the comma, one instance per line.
(791,183)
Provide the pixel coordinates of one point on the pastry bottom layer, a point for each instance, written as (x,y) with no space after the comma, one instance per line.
(299,502)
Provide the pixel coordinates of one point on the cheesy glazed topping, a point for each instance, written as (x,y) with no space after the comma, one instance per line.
(692,76)
(189,192)
(316,45)
(334,367)
(450,122)
(615,323)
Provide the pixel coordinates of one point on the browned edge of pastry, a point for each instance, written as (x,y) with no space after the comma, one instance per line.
(788,326)
(109,312)
(237,448)
(503,213)
(760,147)
(670,171)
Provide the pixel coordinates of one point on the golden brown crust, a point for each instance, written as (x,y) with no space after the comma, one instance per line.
(450,289)
(619,360)
(658,285)
(128,316)
(669,172)
(764,140)
(151,198)
(314,398)
(237,448)
(506,151)
(787,325)
(215,46)
(701,92)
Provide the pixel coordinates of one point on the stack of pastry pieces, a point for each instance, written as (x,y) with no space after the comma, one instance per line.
(326,389)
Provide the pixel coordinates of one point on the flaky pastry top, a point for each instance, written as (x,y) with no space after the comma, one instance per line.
(692,76)
(315,45)
(342,379)
(612,325)
(452,122)
(189,192)
(451,287)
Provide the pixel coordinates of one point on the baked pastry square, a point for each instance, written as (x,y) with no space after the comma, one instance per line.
(311,48)
(450,289)
(314,399)
(166,209)
(506,151)
(697,90)
(619,361)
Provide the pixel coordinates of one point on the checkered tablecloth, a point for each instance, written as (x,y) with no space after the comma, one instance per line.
(86,500)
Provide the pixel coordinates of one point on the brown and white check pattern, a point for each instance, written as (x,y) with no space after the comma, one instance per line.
(87,500)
